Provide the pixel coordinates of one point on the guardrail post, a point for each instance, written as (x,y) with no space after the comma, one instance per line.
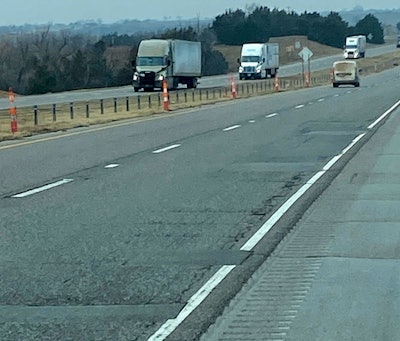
(127,103)
(54,113)
(71,110)
(115,104)
(87,110)
(35,115)
(138,102)
(149,101)
(101,106)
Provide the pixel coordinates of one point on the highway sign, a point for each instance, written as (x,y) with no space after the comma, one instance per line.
(305,54)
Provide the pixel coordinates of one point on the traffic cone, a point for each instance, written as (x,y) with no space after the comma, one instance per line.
(165,95)
(307,76)
(331,74)
(13,111)
(233,88)
(276,83)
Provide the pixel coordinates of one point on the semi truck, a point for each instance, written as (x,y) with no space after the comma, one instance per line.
(173,60)
(355,47)
(258,60)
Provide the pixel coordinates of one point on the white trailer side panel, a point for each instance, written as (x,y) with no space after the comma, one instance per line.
(186,57)
(273,55)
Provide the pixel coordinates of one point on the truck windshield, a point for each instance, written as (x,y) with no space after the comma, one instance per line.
(351,46)
(151,61)
(251,59)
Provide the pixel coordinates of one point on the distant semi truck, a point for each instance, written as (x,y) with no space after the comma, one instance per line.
(176,61)
(258,60)
(355,47)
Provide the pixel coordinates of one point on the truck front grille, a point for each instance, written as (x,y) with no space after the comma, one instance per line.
(250,69)
(147,77)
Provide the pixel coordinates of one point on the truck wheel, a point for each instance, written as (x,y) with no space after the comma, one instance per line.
(357,84)
(192,84)
(335,85)
(136,89)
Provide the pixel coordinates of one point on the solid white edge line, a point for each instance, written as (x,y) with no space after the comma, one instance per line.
(331,162)
(271,115)
(43,188)
(299,106)
(387,112)
(232,127)
(170,325)
(263,230)
(158,151)
(316,177)
(351,145)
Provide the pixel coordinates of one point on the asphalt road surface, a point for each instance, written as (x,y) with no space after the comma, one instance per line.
(107,232)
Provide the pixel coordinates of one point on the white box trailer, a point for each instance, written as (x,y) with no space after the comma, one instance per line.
(355,47)
(177,61)
(259,60)
(186,56)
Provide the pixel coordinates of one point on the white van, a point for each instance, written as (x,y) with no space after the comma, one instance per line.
(345,72)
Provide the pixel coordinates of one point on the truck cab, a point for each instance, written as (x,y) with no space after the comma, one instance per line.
(150,67)
(354,47)
(258,60)
(174,61)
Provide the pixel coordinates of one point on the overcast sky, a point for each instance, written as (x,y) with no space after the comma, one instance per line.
(18,12)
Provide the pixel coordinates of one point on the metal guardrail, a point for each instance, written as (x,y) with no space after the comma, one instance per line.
(83,113)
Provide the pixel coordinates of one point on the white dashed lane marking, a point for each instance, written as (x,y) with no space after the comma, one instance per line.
(43,188)
(162,150)
(112,165)
(232,127)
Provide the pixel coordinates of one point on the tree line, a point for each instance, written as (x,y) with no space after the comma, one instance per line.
(239,27)
(46,61)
